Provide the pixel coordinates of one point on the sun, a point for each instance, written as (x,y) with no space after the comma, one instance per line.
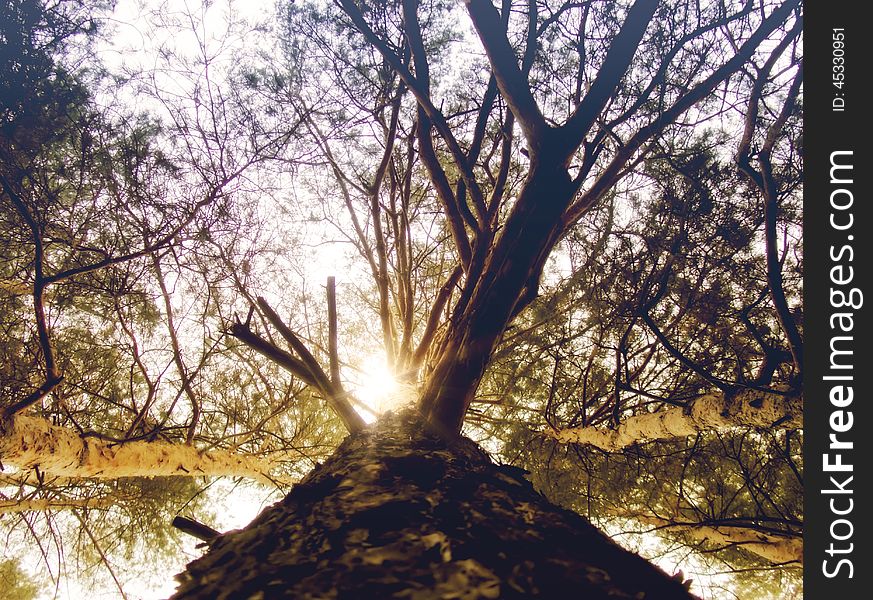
(378,388)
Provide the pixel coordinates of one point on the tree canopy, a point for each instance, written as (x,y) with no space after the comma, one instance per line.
(567,230)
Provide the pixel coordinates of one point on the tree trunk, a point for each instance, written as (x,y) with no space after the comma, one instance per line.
(33,442)
(778,549)
(748,408)
(399,512)
(513,263)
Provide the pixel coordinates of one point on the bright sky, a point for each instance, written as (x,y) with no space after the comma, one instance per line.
(132,47)
(139,36)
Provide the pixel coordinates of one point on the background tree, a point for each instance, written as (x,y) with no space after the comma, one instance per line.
(99,206)
(15,583)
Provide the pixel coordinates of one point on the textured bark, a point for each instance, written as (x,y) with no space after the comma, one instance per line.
(44,504)
(778,549)
(398,512)
(516,258)
(32,442)
(748,408)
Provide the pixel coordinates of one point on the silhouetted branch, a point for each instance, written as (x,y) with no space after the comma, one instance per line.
(195,529)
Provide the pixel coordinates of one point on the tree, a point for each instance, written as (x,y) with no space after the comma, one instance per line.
(616,383)
(584,131)
(630,111)
(97,207)
(398,510)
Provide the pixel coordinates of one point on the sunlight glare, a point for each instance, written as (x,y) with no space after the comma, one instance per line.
(378,388)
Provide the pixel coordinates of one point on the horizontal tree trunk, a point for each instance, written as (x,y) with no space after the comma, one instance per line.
(33,442)
(777,549)
(747,408)
(399,512)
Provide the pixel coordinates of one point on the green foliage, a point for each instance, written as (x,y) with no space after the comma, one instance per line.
(687,253)
(39,94)
(15,583)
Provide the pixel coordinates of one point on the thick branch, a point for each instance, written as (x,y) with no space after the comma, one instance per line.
(482,120)
(443,188)
(195,528)
(433,319)
(777,549)
(422,96)
(513,84)
(422,73)
(496,197)
(774,265)
(488,301)
(334,395)
(295,366)
(52,374)
(284,359)
(624,156)
(322,381)
(455,206)
(746,408)
(32,398)
(618,58)
(32,442)
(764,181)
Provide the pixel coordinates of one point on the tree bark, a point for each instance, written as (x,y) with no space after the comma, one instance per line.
(401,512)
(778,549)
(516,258)
(748,408)
(32,442)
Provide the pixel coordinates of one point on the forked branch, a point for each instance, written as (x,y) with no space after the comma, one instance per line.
(304,365)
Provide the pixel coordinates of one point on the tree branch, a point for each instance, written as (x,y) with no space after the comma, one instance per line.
(777,549)
(334,395)
(615,65)
(513,85)
(333,351)
(38,394)
(28,442)
(433,319)
(676,353)
(195,529)
(612,172)
(285,360)
(763,179)
(747,408)
(422,95)
(455,204)
(177,351)
(52,375)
